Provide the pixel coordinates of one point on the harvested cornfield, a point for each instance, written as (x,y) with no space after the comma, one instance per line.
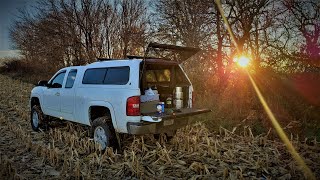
(65,151)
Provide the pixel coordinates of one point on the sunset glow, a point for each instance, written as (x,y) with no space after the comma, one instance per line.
(242,61)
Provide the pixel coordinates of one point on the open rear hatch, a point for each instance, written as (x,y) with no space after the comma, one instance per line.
(161,71)
(170,52)
(166,52)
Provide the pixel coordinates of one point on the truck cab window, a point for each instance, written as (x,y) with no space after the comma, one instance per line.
(117,75)
(71,78)
(94,76)
(110,75)
(58,80)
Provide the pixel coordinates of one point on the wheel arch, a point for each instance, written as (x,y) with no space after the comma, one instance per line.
(35,100)
(98,109)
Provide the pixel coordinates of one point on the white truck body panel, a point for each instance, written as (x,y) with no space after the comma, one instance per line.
(73,104)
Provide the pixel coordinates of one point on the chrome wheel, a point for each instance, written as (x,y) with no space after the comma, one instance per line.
(100,137)
(35,119)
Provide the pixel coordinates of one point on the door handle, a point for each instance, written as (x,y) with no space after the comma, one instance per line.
(57,94)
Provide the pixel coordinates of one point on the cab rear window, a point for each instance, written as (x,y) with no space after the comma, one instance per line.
(112,75)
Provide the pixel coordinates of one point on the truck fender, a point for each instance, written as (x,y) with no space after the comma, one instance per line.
(35,96)
(104,104)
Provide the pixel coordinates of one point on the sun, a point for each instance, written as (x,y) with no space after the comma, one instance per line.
(242,61)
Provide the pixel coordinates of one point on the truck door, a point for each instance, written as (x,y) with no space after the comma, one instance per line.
(51,95)
(67,95)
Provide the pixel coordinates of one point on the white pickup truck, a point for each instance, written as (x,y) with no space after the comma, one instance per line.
(106,96)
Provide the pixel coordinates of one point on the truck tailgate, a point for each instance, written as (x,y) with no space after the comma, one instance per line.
(165,122)
(185,112)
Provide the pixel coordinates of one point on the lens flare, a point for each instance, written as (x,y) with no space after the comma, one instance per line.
(308,173)
(242,61)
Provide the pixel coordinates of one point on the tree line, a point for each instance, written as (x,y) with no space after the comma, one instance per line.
(281,34)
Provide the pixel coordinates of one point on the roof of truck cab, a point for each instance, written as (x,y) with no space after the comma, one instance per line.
(74,67)
(128,62)
(124,62)
(71,67)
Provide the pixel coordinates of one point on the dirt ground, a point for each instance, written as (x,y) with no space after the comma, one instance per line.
(65,151)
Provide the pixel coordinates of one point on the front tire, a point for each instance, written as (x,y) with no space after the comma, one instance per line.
(37,118)
(103,132)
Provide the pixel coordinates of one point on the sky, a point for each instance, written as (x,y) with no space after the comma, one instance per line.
(8,11)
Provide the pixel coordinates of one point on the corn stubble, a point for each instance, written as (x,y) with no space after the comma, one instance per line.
(194,153)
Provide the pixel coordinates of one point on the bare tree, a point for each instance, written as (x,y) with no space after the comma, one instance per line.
(184,22)
(305,20)
(132,26)
(293,38)
(74,32)
(248,21)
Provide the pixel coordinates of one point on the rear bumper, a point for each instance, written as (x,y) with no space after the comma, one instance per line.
(156,128)
(179,119)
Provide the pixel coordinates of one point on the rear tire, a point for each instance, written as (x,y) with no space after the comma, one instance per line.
(37,119)
(103,132)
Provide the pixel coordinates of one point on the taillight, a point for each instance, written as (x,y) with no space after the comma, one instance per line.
(133,106)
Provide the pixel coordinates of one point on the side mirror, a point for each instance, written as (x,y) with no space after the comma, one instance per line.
(42,83)
(56,85)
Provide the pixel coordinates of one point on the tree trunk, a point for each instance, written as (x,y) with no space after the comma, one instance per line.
(219,60)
